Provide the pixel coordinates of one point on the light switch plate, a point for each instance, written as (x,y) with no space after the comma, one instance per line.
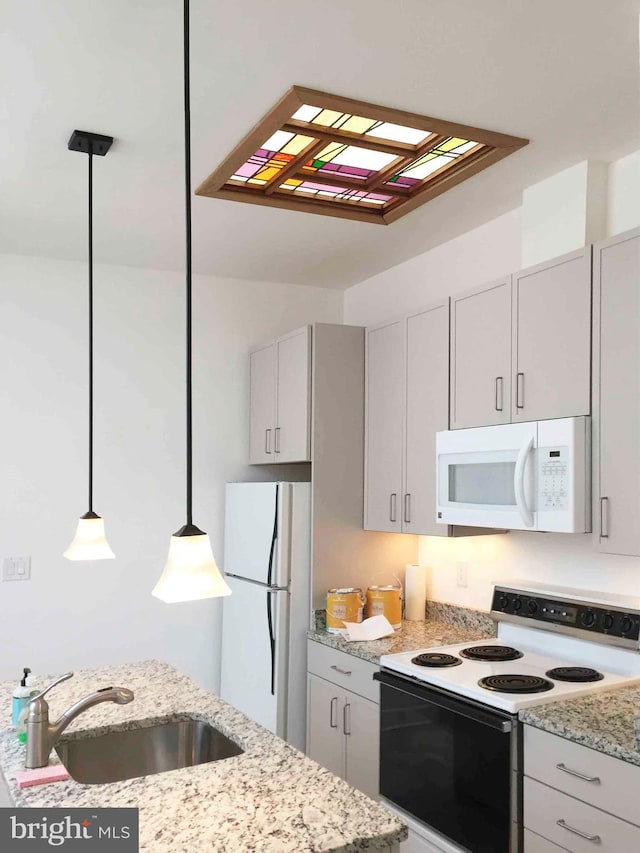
(16,569)
(462,573)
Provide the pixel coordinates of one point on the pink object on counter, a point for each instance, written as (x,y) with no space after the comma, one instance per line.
(41,775)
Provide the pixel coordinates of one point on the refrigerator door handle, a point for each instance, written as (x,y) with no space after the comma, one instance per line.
(272,551)
(272,643)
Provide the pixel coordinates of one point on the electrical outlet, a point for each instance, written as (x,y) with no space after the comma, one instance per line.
(462,573)
(16,569)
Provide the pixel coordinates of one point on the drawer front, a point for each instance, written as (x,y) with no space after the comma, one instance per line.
(536,844)
(574,825)
(608,783)
(346,670)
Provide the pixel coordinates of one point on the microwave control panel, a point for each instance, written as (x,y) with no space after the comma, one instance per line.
(553,478)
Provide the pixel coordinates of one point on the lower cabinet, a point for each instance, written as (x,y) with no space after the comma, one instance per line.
(343,727)
(576,798)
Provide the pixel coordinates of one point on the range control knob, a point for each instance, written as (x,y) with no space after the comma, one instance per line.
(503,601)
(588,619)
(517,604)
(532,607)
(608,621)
(627,624)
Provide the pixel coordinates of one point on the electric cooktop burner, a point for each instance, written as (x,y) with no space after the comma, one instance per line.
(513,683)
(491,653)
(436,659)
(574,673)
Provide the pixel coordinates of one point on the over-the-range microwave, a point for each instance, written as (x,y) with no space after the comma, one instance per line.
(529,476)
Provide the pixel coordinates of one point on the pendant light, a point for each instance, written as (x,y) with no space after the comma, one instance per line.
(190,572)
(90,542)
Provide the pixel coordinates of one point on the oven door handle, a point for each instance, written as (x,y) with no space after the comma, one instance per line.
(443,699)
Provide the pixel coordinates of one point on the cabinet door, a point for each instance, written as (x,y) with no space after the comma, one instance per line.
(617,395)
(292,435)
(262,419)
(552,339)
(427,412)
(481,357)
(325,740)
(383,427)
(361,724)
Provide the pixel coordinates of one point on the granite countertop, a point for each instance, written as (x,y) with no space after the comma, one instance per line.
(446,625)
(602,721)
(270,799)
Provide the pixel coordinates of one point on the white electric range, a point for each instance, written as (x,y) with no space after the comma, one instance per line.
(450,740)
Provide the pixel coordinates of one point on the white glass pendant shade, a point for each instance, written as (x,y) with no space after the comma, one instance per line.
(90,542)
(190,572)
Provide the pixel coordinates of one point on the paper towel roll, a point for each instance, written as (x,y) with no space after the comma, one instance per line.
(415,592)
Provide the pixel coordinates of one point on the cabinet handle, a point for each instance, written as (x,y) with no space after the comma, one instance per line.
(604,516)
(341,671)
(407,508)
(267,441)
(276,442)
(346,716)
(571,772)
(499,394)
(519,390)
(333,721)
(392,506)
(595,838)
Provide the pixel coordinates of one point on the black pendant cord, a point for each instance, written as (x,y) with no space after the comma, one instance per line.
(90,328)
(187,171)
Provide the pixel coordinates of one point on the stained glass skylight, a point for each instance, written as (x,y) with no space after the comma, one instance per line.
(327,154)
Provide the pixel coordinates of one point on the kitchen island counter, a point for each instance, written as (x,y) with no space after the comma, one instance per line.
(603,721)
(270,799)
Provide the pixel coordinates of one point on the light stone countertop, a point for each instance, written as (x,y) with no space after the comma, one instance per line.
(602,721)
(448,625)
(270,799)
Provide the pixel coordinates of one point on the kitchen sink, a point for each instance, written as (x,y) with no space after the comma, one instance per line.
(142,752)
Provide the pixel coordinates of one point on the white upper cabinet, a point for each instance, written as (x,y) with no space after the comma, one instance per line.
(426,412)
(407,382)
(292,433)
(263,377)
(552,339)
(521,347)
(481,356)
(383,427)
(616,422)
(280,380)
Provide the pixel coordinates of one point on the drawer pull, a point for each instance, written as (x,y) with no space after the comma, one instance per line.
(341,671)
(595,838)
(565,769)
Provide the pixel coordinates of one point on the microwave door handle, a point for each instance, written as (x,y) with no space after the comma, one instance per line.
(518,483)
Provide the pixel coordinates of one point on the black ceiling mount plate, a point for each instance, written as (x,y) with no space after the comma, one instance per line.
(85,141)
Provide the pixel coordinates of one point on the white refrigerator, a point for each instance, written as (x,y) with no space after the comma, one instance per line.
(267,564)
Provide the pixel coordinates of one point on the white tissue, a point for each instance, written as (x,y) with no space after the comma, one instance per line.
(371,629)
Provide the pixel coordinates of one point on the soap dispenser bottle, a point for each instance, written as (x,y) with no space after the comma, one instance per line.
(22,695)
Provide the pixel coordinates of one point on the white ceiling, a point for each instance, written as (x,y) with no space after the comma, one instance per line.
(563,73)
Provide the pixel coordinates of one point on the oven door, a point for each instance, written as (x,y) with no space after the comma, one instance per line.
(486,476)
(452,763)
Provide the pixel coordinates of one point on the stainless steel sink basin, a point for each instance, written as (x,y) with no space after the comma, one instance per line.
(141,752)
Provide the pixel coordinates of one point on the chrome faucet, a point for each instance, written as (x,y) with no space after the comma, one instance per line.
(42,735)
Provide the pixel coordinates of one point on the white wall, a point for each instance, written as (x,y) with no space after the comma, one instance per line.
(469,260)
(73,615)
(624,194)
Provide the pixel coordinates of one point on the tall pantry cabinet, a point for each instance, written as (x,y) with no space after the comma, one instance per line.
(616,393)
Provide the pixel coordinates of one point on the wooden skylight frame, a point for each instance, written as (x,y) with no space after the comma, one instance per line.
(419,158)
